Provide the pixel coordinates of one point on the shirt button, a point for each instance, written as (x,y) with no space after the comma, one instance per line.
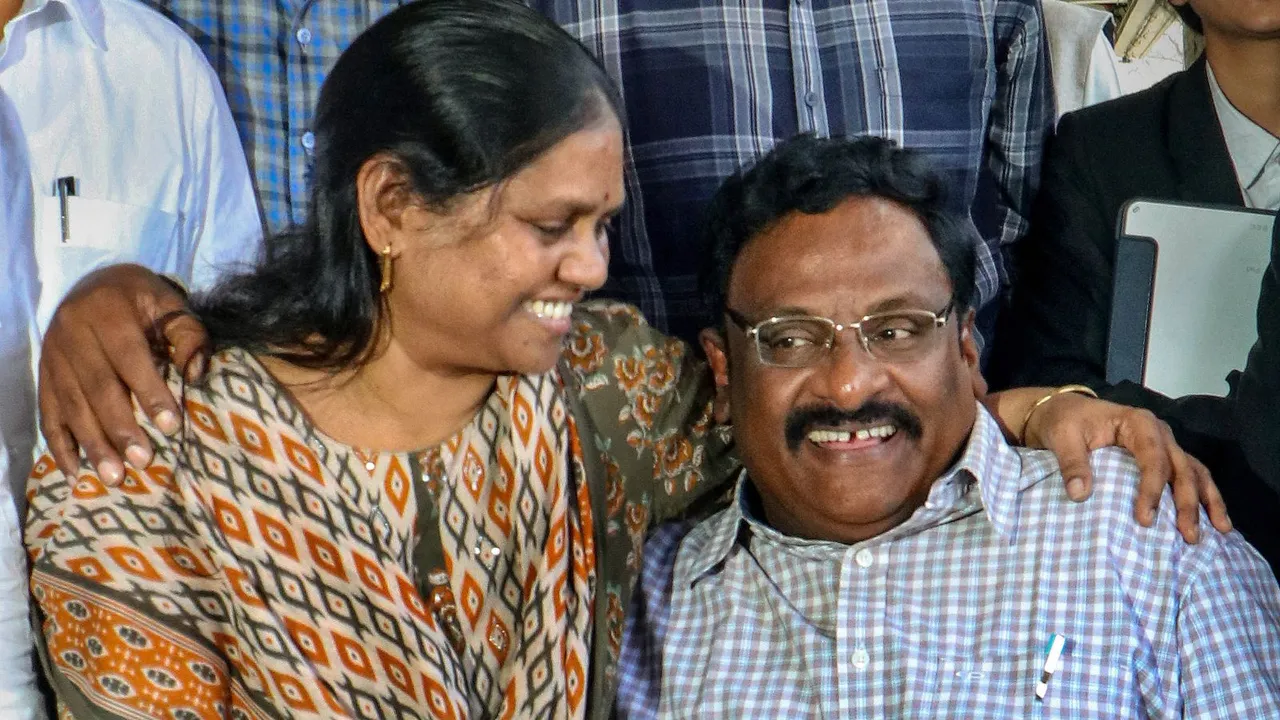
(811,98)
(308,140)
(303,35)
(865,558)
(861,659)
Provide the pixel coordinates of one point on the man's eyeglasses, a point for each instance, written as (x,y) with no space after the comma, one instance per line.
(804,340)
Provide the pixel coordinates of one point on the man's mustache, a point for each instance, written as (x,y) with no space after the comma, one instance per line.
(801,420)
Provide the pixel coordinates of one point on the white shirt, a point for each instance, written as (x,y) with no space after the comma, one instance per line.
(113,94)
(1083,63)
(19,699)
(1255,153)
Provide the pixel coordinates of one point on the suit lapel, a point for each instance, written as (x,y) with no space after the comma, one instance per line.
(1201,160)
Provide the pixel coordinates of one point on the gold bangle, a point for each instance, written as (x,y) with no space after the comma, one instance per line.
(1065,389)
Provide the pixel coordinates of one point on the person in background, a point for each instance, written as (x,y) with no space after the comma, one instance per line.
(1209,134)
(127,153)
(19,698)
(1083,62)
(887,553)
(708,85)
(132,157)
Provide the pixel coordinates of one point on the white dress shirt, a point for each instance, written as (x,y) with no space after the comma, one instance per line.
(1255,153)
(19,699)
(1085,66)
(113,94)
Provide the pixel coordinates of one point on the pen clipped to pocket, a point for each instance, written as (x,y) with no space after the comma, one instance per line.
(63,188)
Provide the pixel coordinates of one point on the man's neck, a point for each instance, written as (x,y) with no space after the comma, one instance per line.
(8,11)
(1248,71)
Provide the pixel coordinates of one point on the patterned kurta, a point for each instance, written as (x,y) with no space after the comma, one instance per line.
(261,569)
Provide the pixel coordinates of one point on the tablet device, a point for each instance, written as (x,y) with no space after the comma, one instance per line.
(1185,294)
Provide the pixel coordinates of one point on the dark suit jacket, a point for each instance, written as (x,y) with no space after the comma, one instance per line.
(1164,143)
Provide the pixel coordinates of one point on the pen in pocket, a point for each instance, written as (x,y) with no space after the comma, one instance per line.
(1052,661)
(65,187)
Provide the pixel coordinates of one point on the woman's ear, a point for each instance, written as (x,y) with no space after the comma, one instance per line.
(713,345)
(385,200)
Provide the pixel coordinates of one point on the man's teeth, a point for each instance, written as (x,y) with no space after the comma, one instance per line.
(549,309)
(841,436)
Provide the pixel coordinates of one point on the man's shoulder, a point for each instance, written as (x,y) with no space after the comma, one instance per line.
(1106,521)
(137,30)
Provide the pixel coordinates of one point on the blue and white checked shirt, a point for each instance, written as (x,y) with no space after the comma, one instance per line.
(708,85)
(948,614)
(272,56)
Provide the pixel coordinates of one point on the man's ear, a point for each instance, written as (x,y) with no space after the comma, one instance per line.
(713,344)
(972,357)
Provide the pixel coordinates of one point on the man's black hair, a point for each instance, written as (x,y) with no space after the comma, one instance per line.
(812,175)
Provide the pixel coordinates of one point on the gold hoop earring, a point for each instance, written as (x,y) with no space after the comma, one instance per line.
(385,263)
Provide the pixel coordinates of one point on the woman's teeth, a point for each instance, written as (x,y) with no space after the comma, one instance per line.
(840,436)
(549,309)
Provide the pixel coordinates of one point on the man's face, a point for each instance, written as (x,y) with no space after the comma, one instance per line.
(865,256)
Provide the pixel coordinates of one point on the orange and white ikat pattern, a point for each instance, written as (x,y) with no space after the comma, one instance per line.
(260,569)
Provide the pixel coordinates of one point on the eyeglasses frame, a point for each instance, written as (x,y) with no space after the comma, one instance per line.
(752,331)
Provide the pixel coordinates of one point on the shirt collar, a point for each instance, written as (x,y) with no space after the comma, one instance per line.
(999,472)
(1251,147)
(85,14)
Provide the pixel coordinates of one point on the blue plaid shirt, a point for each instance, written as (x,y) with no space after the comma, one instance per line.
(948,614)
(708,86)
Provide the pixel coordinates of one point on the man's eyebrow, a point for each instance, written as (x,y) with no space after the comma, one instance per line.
(907,301)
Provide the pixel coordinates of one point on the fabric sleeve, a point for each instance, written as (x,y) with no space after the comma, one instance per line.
(1257,396)
(1022,115)
(220,213)
(649,401)
(1229,637)
(110,569)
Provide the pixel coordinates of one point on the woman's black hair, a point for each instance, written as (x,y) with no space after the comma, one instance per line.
(812,175)
(463,93)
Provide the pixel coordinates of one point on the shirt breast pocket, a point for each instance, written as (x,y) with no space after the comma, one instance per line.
(1084,686)
(100,233)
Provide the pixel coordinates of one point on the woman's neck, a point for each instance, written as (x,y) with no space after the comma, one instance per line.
(390,403)
(1248,71)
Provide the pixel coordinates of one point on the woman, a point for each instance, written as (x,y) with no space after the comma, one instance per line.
(469,160)
(416,478)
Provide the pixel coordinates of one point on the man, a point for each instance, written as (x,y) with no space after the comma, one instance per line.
(887,553)
(1209,134)
(131,156)
(709,85)
(126,152)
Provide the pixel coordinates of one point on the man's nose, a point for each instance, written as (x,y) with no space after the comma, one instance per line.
(849,375)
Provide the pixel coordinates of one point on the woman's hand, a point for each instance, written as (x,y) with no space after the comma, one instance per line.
(103,346)
(1071,425)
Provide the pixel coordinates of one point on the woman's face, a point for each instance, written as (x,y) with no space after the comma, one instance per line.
(488,284)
